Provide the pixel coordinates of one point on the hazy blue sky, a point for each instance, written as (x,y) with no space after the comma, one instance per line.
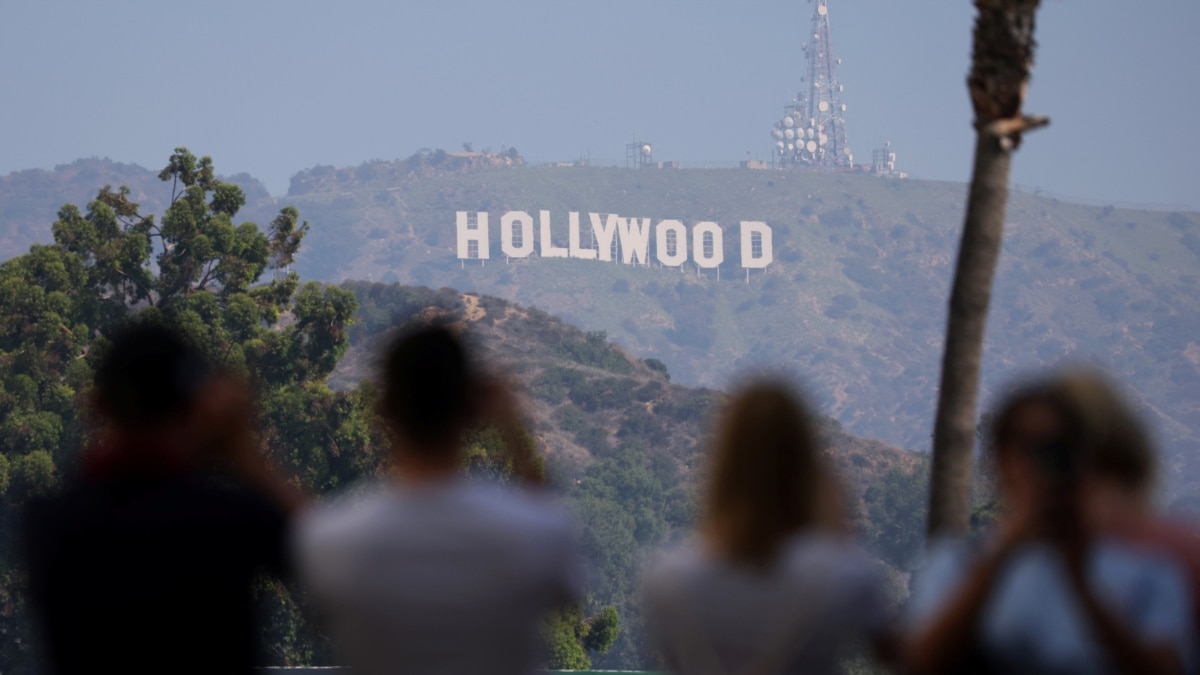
(274,87)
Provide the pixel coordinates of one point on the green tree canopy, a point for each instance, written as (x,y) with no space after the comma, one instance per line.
(199,270)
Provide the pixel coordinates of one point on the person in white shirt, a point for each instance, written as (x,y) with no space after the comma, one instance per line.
(770,584)
(435,572)
(1048,593)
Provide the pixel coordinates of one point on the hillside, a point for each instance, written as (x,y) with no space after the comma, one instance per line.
(30,199)
(587,397)
(853,302)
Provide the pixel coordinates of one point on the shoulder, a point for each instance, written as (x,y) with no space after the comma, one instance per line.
(838,570)
(1126,563)
(817,548)
(670,570)
(534,510)
(341,518)
(325,537)
(231,494)
(942,568)
(684,558)
(681,561)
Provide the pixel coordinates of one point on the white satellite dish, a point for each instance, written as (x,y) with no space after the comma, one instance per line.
(789,122)
(789,134)
(777,134)
(809,131)
(823,106)
(646,150)
(779,144)
(843,107)
(812,147)
(822,10)
(822,139)
(791,147)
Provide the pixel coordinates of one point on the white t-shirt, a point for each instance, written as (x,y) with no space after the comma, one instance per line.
(710,616)
(451,578)
(1033,622)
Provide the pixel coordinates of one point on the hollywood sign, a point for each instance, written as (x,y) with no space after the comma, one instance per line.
(612,238)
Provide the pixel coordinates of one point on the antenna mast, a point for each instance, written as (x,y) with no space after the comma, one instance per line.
(812,133)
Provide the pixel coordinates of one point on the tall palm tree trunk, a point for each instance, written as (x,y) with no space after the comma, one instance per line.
(1001,57)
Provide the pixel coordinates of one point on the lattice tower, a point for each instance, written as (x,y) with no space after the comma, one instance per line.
(812,133)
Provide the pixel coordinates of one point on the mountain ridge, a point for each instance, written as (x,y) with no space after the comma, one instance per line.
(854,302)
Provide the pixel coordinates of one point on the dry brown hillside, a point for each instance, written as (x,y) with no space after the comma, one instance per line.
(587,397)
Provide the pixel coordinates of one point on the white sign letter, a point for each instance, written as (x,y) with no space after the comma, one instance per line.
(635,239)
(516,244)
(549,250)
(477,234)
(708,245)
(573,239)
(757,250)
(670,243)
(604,233)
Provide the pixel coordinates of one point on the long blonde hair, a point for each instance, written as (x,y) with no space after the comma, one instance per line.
(768,480)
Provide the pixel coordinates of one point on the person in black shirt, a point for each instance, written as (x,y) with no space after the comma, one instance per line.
(145,561)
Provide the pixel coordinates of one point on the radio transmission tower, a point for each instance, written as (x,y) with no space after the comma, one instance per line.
(812,133)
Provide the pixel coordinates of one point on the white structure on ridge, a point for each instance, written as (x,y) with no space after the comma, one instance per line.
(812,133)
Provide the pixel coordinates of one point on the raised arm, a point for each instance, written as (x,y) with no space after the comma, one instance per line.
(1129,652)
(226,429)
(946,641)
(500,409)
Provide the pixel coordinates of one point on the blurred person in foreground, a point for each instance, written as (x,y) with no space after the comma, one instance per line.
(771,583)
(1049,592)
(433,571)
(145,561)
(1121,474)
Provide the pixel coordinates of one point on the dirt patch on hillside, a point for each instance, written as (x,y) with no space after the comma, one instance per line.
(474,311)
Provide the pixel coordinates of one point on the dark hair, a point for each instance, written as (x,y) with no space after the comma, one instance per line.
(1062,453)
(767,474)
(1120,447)
(427,387)
(149,374)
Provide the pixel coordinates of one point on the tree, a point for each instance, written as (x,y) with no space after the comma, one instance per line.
(570,636)
(198,271)
(1001,58)
(895,514)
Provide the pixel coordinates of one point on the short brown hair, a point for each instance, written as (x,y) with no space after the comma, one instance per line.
(767,474)
(1062,452)
(1119,446)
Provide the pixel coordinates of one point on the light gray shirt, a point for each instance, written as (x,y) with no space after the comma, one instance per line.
(1034,623)
(711,617)
(451,578)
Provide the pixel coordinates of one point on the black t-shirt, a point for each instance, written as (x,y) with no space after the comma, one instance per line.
(141,574)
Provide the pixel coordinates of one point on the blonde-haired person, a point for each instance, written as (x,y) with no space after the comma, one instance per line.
(770,583)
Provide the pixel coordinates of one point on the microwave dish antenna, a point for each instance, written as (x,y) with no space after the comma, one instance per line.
(817,112)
